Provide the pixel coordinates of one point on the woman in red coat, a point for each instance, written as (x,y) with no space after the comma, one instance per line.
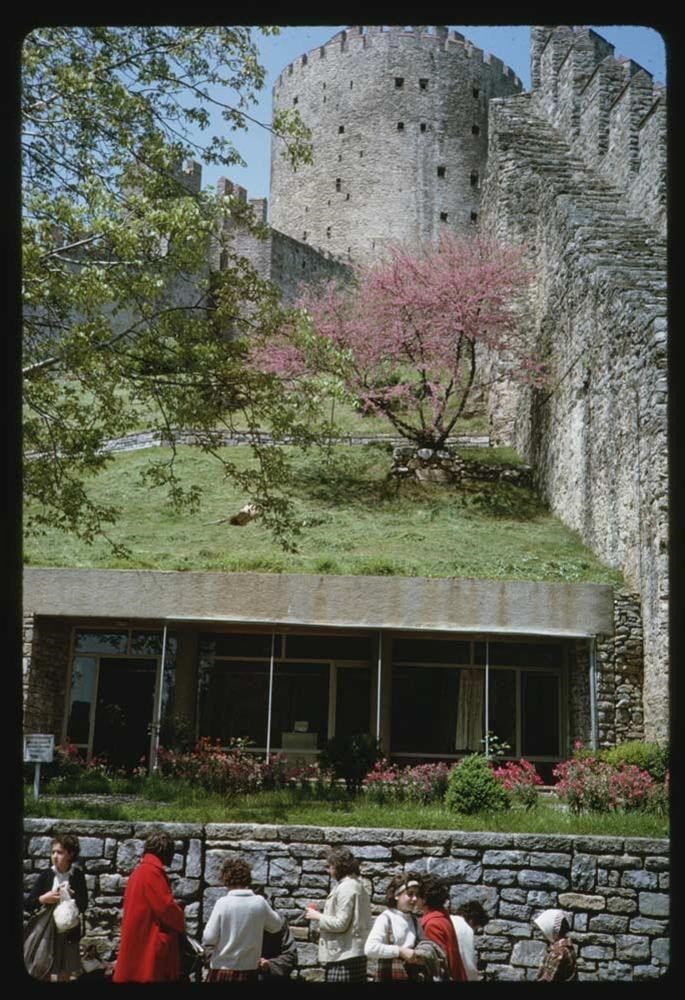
(431,897)
(152,921)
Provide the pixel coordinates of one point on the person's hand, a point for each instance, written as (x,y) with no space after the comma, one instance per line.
(311,913)
(407,955)
(50,898)
(263,965)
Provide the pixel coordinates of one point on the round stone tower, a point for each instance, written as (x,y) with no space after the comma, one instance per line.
(399,131)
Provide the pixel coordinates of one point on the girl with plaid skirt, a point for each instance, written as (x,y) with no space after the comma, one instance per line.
(236,927)
(396,933)
(345,922)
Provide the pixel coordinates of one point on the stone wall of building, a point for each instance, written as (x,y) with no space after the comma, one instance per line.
(45,668)
(596,435)
(288,262)
(399,121)
(615,889)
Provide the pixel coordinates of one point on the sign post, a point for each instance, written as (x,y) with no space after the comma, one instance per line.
(39,748)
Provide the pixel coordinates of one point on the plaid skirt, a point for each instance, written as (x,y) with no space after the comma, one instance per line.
(232,975)
(351,970)
(394,970)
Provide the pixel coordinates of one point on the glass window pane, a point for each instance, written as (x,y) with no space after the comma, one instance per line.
(238,644)
(502,706)
(352,701)
(540,713)
(330,647)
(424,709)
(431,651)
(148,641)
(300,694)
(101,641)
(521,654)
(82,697)
(233,701)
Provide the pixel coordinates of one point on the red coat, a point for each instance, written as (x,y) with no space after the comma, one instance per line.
(438,927)
(152,921)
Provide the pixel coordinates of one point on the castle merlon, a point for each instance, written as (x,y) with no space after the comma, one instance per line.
(362,36)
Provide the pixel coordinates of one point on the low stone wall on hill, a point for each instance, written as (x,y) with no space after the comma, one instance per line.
(616,889)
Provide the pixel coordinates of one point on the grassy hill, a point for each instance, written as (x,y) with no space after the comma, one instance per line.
(353,521)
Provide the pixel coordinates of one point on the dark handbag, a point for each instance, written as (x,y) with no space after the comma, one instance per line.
(192,956)
(39,943)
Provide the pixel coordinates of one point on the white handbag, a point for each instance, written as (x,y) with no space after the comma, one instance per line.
(66,914)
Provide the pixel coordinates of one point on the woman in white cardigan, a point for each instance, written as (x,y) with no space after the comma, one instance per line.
(345,921)
(396,932)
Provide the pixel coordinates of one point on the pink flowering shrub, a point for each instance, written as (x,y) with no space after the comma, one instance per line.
(520,780)
(422,783)
(382,784)
(425,782)
(586,783)
(232,771)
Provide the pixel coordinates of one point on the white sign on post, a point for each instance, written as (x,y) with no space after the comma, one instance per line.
(39,748)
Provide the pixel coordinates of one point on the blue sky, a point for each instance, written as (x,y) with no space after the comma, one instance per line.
(510,43)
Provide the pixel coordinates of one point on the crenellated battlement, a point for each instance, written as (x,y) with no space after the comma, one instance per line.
(362,37)
(609,109)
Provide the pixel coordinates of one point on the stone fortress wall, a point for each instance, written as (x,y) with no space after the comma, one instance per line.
(615,889)
(399,121)
(576,171)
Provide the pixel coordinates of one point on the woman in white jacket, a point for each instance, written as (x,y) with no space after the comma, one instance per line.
(345,922)
(396,932)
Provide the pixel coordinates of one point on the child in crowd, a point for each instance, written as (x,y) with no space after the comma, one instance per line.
(235,929)
(431,897)
(345,922)
(469,919)
(66,959)
(559,961)
(396,933)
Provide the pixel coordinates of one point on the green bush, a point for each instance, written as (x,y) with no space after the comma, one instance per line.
(472,787)
(647,756)
(350,758)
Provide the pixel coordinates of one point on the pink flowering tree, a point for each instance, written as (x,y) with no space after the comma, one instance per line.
(406,336)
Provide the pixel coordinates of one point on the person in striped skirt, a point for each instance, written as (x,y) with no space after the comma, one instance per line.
(345,921)
(396,932)
(236,926)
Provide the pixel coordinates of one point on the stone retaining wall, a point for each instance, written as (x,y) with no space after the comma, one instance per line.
(615,888)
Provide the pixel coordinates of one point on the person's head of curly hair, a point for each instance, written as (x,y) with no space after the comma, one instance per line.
(70,843)
(474,913)
(161,844)
(433,891)
(343,862)
(236,874)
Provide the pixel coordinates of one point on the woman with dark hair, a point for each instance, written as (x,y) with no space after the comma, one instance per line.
(396,932)
(345,922)
(431,896)
(235,929)
(152,920)
(64,850)
(469,920)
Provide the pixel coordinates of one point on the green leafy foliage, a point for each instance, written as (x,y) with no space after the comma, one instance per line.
(122,316)
(472,787)
(650,757)
(350,758)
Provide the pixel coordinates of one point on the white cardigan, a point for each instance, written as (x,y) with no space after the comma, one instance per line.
(405,928)
(235,929)
(346,920)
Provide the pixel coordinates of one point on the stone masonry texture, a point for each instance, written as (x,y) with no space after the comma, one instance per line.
(612,887)
(576,173)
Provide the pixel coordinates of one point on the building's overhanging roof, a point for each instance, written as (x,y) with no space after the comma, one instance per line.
(511,607)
